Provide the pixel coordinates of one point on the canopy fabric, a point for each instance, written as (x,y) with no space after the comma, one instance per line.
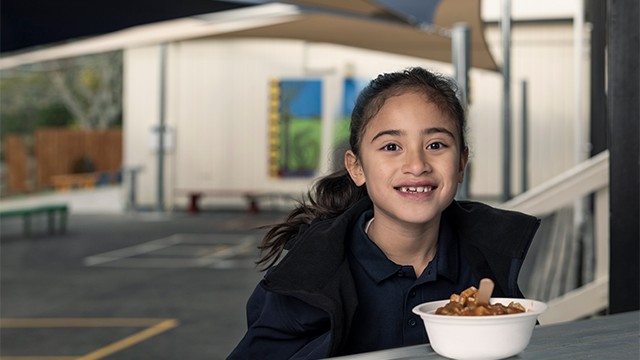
(388,36)
(413,11)
(358,23)
(361,7)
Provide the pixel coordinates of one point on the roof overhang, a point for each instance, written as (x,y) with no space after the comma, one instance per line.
(354,23)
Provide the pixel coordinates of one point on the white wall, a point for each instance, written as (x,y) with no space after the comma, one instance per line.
(220,106)
(530,10)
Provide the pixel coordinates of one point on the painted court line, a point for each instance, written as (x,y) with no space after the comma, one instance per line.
(180,250)
(132,250)
(39,357)
(152,327)
(78,322)
(131,340)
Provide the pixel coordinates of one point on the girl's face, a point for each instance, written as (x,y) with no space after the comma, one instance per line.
(410,161)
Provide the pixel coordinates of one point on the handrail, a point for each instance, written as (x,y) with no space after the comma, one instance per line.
(588,177)
(575,183)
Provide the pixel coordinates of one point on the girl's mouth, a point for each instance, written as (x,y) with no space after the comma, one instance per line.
(415,189)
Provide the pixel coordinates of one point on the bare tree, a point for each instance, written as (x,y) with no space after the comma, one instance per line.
(91,88)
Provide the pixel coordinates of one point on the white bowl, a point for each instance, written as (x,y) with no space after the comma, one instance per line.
(480,337)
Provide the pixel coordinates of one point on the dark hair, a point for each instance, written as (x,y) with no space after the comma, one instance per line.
(331,195)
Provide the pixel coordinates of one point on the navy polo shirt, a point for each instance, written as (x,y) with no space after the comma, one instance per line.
(387,292)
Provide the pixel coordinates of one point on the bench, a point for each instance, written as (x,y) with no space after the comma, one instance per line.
(251,197)
(70,181)
(50,210)
(66,182)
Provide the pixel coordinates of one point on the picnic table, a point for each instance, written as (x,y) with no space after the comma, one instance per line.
(252,198)
(605,337)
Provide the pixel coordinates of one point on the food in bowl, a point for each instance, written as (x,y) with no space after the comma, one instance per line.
(466,304)
(485,337)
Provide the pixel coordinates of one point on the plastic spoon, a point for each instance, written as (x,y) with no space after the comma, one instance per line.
(485,291)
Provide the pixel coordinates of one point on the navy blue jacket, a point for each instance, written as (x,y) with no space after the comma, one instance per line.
(315,276)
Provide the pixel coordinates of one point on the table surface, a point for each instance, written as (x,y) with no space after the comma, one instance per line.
(606,337)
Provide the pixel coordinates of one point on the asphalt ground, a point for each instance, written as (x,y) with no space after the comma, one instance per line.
(128,285)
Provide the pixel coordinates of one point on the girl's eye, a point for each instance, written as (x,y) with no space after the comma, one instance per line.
(436,146)
(391,147)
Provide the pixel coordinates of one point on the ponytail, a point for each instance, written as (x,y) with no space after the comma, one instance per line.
(330,196)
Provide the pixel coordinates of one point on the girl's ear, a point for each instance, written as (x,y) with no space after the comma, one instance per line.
(464,158)
(354,167)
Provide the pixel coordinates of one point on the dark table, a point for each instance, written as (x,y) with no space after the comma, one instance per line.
(607,337)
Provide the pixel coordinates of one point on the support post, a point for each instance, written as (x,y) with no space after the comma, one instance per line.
(161,126)
(623,113)
(525,138)
(461,59)
(505,25)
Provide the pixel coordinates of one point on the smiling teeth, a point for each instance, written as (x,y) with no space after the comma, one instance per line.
(419,189)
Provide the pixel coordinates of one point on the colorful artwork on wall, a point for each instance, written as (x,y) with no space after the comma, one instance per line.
(340,143)
(295,127)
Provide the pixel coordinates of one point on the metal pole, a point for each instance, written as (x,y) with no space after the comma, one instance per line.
(578,29)
(132,174)
(598,111)
(525,138)
(461,59)
(460,45)
(505,25)
(161,126)
(580,205)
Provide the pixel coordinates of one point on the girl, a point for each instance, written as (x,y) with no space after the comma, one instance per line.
(384,234)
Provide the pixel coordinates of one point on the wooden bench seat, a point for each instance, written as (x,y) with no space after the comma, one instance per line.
(26,213)
(66,182)
(70,181)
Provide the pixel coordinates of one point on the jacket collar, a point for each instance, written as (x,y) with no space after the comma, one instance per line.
(493,229)
(494,241)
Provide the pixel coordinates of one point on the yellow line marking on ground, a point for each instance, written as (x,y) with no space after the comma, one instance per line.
(131,340)
(153,328)
(38,357)
(78,322)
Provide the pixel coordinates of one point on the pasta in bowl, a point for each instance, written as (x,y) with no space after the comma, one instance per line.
(486,334)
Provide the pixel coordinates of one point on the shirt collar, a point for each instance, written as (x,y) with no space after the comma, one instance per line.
(379,267)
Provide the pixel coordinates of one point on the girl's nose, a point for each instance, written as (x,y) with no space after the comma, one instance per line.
(416,163)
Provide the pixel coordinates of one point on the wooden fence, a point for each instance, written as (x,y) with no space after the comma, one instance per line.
(17,162)
(61,152)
